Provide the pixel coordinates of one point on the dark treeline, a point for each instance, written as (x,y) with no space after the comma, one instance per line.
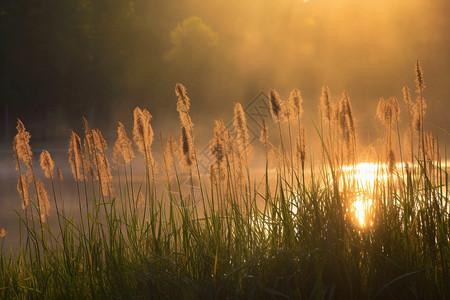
(64,59)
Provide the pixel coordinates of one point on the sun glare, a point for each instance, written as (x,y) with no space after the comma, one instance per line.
(364,176)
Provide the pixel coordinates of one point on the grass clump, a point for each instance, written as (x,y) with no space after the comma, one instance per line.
(336,230)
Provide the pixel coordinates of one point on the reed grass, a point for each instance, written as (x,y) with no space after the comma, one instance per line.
(293,236)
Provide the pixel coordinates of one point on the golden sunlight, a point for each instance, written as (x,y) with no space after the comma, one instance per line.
(364,177)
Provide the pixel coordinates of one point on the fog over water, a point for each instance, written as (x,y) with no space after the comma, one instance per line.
(223,52)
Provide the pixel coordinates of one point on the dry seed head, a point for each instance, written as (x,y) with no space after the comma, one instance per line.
(20,127)
(287,109)
(75,155)
(275,104)
(3,232)
(395,108)
(187,151)
(343,118)
(43,199)
(296,100)
(88,138)
(104,171)
(184,102)
(47,164)
(123,146)
(418,117)
(99,141)
(240,125)
(212,174)
(22,188)
(142,131)
(59,173)
(325,107)
(216,145)
(139,129)
(419,78)
(230,145)
(170,150)
(264,137)
(21,144)
(407,98)
(350,117)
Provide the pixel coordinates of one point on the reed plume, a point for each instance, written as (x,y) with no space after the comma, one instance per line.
(287,110)
(387,112)
(123,146)
(88,138)
(264,136)
(3,232)
(186,149)
(22,188)
(296,101)
(420,105)
(275,104)
(184,103)
(242,136)
(101,162)
(44,204)
(59,173)
(325,105)
(407,98)
(183,106)
(47,164)
(21,145)
(75,156)
(217,151)
(170,151)
(143,133)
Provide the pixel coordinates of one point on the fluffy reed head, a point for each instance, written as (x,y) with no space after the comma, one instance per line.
(217,150)
(264,137)
(99,142)
(275,104)
(184,103)
(388,111)
(59,173)
(325,106)
(88,138)
(104,173)
(21,145)
(142,131)
(350,116)
(186,149)
(395,107)
(240,125)
(75,155)
(407,98)
(170,151)
(123,147)
(22,188)
(287,111)
(216,145)
(420,84)
(47,164)
(3,232)
(296,100)
(44,204)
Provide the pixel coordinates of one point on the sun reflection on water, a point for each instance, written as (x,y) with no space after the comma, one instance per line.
(363,178)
